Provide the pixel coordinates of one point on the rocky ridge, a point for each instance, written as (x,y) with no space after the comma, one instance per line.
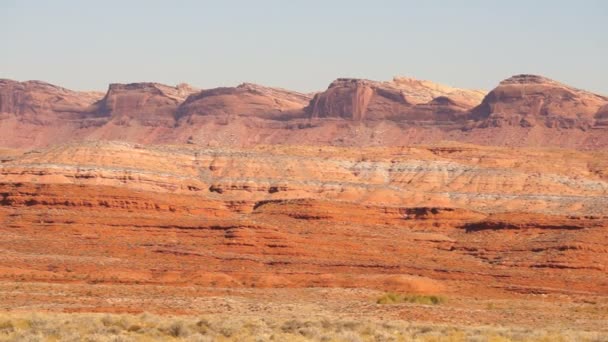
(525,110)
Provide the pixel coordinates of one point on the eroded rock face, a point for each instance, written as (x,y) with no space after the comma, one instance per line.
(450,219)
(421,91)
(401,99)
(35,113)
(601,117)
(249,100)
(41,103)
(531,100)
(151,104)
(352,99)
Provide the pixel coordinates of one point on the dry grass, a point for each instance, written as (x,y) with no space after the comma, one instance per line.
(146,327)
(396,298)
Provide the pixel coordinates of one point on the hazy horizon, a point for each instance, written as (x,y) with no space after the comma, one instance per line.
(300,45)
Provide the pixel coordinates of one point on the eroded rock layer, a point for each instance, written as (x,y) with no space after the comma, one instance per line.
(448,218)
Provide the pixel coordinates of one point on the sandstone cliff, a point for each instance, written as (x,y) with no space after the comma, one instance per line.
(401,99)
(35,113)
(531,100)
(41,103)
(151,104)
(601,117)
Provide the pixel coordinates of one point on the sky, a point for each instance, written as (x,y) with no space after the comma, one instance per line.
(303,45)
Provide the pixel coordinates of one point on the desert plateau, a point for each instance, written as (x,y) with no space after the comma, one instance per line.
(399,210)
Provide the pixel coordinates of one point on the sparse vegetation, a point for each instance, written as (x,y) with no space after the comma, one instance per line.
(147,327)
(396,298)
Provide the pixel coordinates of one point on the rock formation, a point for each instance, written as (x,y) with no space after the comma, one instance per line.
(151,104)
(601,117)
(401,99)
(249,100)
(531,100)
(256,187)
(450,218)
(522,111)
(42,103)
(421,91)
(35,113)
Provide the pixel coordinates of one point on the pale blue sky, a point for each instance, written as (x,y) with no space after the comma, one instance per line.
(303,45)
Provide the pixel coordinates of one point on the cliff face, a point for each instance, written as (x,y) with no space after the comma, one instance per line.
(531,100)
(151,104)
(601,117)
(35,113)
(36,97)
(402,99)
(42,103)
(457,217)
(352,99)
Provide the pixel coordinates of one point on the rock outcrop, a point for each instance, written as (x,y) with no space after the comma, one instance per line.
(601,117)
(402,99)
(35,113)
(356,99)
(531,100)
(248,100)
(421,91)
(41,103)
(151,104)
